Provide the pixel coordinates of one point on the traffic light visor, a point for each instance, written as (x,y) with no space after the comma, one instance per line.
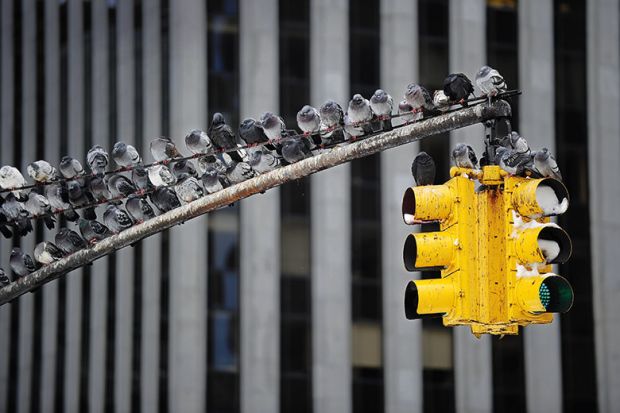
(536,198)
(548,244)
(545,294)
(427,203)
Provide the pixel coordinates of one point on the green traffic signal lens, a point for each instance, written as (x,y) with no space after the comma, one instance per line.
(556,294)
(544,295)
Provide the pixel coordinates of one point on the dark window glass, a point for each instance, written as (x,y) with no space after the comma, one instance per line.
(438,390)
(367,390)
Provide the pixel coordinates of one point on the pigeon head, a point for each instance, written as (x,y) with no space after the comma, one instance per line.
(424,159)
(483,72)
(218,119)
(329,107)
(380,96)
(119,148)
(6,172)
(460,150)
(268,120)
(74,188)
(413,91)
(16,251)
(500,151)
(306,113)
(357,101)
(247,124)
(35,167)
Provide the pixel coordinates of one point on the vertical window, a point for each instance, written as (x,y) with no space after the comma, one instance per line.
(437,341)
(366,294)
(578,359)
(295,283)
(223,238)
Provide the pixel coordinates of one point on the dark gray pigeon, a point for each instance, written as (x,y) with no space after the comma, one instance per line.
(512,161)
(332,116)
(47,252)
(198,141)
(97,159)
(80,198)
(251,133)
(546,165)
(4,278)
(164,150)
(188,189)
(21,263)
(125,155)
(182,168)
(120,186)
(16,215)
(42,172)
(140,179)
(222,136)
(69,241)
(262,161)
(58,196)
(295,149)
(93,231)
(165,199)
(464,156)
(237,172)
(457,87)
(213,181)
(99,188)
(139,209)
(423,169)
(70,168)
(116,219)
(39,206)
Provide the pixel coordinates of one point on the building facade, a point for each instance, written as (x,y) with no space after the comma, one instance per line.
(292,301)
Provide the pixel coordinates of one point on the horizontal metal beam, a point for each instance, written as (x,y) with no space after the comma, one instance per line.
(334,157)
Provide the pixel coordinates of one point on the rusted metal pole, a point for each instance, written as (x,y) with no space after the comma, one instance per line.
(334,157)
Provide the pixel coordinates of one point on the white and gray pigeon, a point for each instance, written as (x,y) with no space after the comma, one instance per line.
(93,231)
(272,125)
(490,82)
(21,263)
(418,97)
(42,171)
(518,143)
(58,196)
(198,141)
(359,113)
(125,155)
(511,160)
(4,278)
(332,123)
(295,149)
(237,172)
(69,241)
(382,104)
(139,209)
(464,156)
(16,215)
(165,199)
(140,179)
(352,129)
(47,252)
(70,168)
(163,149)
(213,180)
(39,206)
(546,165)
(160,175)
(309,120)
(120,186)
(441,101)
(407,115)
(223,137)
(97,159)
(116,219)
(262,161)
(188,189)
(423,169)
(11,177)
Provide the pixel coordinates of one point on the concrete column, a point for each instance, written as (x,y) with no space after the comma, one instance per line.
(76,147)
(124,258)
(151,247)
(99,271)
(402,343)
(7,125)
(543,367)
(188,243)
(260,219)
(331,219)
(472,357)
(28,140)
(604,170)
(52,154)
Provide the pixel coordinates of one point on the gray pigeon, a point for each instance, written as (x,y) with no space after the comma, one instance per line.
(140,179)
(120,186)
(11,178)
(464,156)
(16,215)
(295,149)
(360,114)
(125,155)
(251,133)
(272,125)
(381,104)
(262,161)
(213,181)
(160,175)
(518,143)
(116,219)
(4,278)
(418,97)
(165,199)
(184,167)
(47,252)
(99,188)
(69,241)
(332,116)
(163,149)
(39,206)
(237,172)
(42,172)
(70,167)
(352,129)
(80,198)
(308,120)
(58,196)
(441,101)
(97,159)
(546,165)
(490,82)
(189,189)
(512,161)
(93,231)
(198,141)
(21,263)
(139,209)
(223,137)
(423,169)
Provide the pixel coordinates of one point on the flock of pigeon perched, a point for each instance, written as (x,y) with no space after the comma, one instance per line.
(217,160)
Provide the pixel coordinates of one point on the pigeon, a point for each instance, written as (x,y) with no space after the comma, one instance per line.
(80,198)
(464,156)
(295,149)
(11,178)
(93,231)
(213,181)
(546,165)
(418,97)
(97,159)
(262,161)
(381,104)
(160,175)
(441,101)
(42,172)
(237,172)
(58,196)
(21,263)
(198,141)
(223,137)
(69,241)
(458,87)
(16,215)
(423,169)
(332,123)
(517,142)
(125,155)
(163,150)
(4,229)
(251,133)
(309,120)
(184,167)
(139,209)
(70,168)
(47,252)
(352,129)
(490,82)
(165,199)
(189,189)
(218,162)
(406,112)
(116,219)
(98,187)
(273,126)
(360,114)
(39,206)
(4,278)
(140,179)
(512,161)
(121,187)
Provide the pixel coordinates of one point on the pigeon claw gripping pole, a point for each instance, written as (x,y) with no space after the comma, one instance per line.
(494,249)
